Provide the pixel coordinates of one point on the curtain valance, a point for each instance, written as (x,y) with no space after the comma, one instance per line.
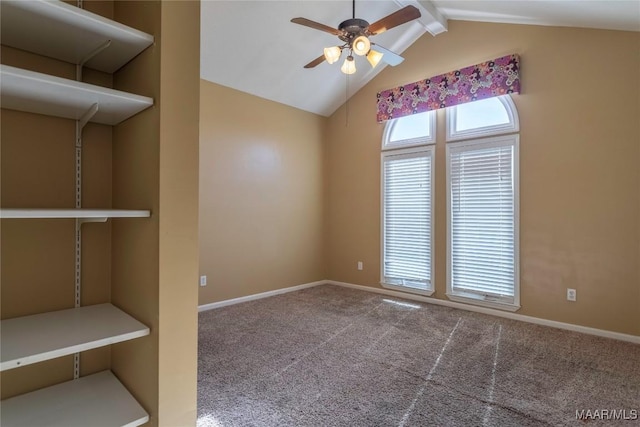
(488,79)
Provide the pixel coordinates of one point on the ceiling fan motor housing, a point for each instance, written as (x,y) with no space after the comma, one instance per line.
(352,28)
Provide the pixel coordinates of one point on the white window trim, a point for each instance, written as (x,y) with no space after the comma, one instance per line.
(475,299)
(431,288)
(407,289)
(512,126)
(413,142)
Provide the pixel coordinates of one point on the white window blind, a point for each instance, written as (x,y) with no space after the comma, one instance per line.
(482,179)
(407,218)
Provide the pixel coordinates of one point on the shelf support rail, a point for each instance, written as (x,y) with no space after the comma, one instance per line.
(80,124)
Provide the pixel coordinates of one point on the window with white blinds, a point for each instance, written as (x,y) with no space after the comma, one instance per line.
(407,223)
(482,204)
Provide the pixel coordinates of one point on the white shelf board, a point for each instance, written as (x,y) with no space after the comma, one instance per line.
(66,32)
(31,339)
(95,400)
(25,90)
(73,213)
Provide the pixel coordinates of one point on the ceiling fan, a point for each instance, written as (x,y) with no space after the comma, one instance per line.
(355,34)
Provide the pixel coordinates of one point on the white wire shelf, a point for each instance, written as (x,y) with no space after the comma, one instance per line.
(62,31)
(25,90)
(95,400)
(31,339)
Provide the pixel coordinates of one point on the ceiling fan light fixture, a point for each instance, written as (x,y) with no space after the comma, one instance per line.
(355,33)
(361,45)
(349,66)
(332,54)
(374,57)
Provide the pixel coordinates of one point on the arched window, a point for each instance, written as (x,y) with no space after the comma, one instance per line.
(482,203)
(407,203)
(492,116)
(416,129)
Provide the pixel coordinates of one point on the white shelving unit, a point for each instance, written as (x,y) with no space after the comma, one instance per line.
(73,213)
(31,339)
(68,33)
(95,400)
(39,93)
(62,31)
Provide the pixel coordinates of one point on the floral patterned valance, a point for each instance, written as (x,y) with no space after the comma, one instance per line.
(492,78)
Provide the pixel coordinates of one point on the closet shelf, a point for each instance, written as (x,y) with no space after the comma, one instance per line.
(62,31)
(39,93)
(31,339)
(95,400)
(73,213)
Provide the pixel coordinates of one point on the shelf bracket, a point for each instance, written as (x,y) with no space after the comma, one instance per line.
(90,55)
(87,116)
(85,220)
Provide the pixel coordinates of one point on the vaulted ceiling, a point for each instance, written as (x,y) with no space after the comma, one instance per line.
(253,47)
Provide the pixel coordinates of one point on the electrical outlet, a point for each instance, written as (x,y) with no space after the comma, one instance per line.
(571,294)
(360,265)
(203,280)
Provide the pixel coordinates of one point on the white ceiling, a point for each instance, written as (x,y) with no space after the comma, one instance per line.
(251,46)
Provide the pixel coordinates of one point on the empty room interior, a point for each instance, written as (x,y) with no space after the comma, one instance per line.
(320,213)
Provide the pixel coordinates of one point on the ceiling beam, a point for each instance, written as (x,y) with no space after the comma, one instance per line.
(431,19)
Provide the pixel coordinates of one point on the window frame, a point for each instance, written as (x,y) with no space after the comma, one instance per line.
(429,149)
(511,127)
(465,297)
(411,142)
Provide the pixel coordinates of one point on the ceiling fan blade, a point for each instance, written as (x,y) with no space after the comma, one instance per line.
(319,60)
(406,14)
(317,26)
(389,57)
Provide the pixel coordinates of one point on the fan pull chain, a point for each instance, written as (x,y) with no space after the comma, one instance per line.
(346,102)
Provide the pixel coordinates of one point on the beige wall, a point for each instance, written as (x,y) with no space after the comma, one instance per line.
(579,175)
(135,244)
(179,144)
(155,165)
(261,194)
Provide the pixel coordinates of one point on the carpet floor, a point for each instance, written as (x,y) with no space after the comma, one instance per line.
(333,356)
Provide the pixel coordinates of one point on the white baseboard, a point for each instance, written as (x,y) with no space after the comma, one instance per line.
(508,315)
(253,297)
(514,316)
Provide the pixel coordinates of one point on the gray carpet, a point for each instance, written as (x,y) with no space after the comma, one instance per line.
(332,356)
